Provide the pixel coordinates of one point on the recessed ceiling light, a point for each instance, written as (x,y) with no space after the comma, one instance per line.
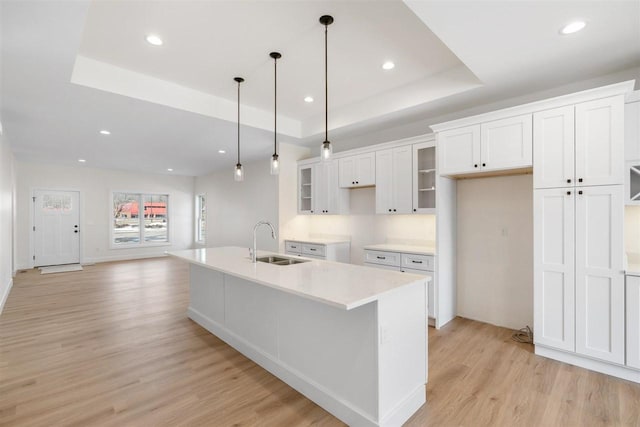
(573,27)
(169,170)
(388,65)
(308,99)
(105,132)
(81,160)
(154,40)
(221,151)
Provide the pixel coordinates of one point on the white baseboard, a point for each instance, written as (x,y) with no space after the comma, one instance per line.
(309,388)
(111,258)
(5,295)
(591,364)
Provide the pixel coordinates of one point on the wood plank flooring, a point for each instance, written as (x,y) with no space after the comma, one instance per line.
(111,345)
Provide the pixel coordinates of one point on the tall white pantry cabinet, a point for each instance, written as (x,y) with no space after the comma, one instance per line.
(584,313)
(579,282)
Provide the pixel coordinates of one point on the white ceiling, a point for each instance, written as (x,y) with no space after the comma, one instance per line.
(175,108)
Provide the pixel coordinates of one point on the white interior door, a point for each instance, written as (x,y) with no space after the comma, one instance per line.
(56,227)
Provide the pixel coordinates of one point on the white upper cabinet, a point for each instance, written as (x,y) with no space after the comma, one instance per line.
(318,191)
(553,253)
(459,150)
(358,170)
(330,198)
(506,143)
(599,144)
(632,131)
(424,177)
(553,148)
(306,181)
(600,293)
(394,180)
(491,146)
(580,144)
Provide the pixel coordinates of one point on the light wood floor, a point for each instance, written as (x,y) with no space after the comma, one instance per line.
(112,345)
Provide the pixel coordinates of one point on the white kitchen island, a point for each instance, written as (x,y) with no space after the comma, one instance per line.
(353,339)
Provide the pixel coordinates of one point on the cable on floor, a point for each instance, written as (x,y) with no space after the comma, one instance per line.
(524,335)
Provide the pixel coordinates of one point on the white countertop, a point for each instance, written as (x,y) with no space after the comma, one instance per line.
(318,241)
(408,249)
(337,284)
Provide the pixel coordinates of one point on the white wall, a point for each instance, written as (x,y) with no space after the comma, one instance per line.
(364,227)
(495,250)
(95,186)
(233,208)
(7,191)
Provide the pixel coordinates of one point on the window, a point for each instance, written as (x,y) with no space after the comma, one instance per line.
(140,219)
(201,219)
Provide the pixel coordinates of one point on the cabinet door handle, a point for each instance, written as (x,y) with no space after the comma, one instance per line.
(313,249)
(484,164)
(416,262)
(294,247)
(415,210)
(568,193)
(580,192)
(579,179)
(568,181)
(381,257)
(357,182)
(475,166)
(394,210)
(353,182)
(389,210)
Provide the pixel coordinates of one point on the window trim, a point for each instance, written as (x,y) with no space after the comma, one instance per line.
(142,243)
(197,219)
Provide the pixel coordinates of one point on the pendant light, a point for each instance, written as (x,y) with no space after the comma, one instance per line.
(325,152)
(239,171)
(275,163)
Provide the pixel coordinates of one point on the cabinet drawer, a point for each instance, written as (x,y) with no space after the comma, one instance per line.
(382,267)
(383,258)
(418,262)
(293,247)
(317,250)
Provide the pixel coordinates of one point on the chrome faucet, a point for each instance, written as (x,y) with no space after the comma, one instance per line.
(254,254)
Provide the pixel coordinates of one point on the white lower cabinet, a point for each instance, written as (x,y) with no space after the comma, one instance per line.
(578,271)
(599,273)
(406,263)
(633,322)
(326,250)
(554,268)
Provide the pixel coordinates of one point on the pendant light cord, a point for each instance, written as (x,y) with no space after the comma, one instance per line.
(239,122)
(326,85)
(275,106)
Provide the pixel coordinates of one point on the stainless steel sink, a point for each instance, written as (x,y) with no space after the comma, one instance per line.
(277,260)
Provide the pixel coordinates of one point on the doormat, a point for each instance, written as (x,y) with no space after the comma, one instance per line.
(60,268)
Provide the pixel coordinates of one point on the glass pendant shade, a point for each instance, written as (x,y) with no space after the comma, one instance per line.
(275,165)
(238,174)
(326,151)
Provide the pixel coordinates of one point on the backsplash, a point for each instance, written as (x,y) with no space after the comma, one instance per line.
(632,233)
(363,227)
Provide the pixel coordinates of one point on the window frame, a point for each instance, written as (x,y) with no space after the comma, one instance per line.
(142,243)
(198,209)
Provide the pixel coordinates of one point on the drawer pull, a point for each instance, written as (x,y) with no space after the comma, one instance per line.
(294,247)
(313,249)
(416,262)
(381,257)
